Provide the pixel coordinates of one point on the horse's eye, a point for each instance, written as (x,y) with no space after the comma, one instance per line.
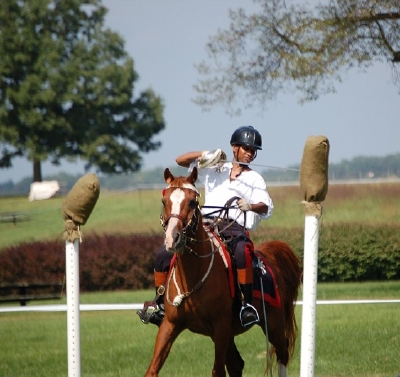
(192,204)
(163,202)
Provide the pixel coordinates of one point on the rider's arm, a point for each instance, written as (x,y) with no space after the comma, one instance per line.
(259,208)
(187,158)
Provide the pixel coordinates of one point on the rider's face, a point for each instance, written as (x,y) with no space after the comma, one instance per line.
(244,153)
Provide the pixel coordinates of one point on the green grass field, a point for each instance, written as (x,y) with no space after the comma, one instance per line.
(360,340)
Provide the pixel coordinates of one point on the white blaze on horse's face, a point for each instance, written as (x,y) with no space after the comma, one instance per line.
(172,233)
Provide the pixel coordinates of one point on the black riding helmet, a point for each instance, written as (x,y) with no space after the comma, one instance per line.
(247,135)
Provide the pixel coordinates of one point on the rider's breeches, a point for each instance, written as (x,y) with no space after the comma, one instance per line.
(242,254)
(242,249)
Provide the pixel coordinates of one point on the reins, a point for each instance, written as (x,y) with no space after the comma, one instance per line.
(180,296)
(259,270)
(224,211)
(223,214)
(192,227)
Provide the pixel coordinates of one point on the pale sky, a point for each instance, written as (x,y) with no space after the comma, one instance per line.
(166,38)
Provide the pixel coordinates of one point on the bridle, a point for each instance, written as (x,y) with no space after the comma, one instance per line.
(190,227)
(187,236)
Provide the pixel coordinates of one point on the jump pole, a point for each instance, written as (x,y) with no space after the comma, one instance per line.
(73,314)
(77,207)
(314,186)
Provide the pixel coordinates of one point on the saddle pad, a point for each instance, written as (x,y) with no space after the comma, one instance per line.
(267,279)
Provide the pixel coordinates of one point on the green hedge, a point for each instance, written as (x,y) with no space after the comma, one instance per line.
(347,252)
(359,253)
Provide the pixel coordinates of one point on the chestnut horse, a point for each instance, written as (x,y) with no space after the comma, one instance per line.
(198,293)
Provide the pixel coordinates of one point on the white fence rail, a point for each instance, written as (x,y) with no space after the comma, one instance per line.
(105,307)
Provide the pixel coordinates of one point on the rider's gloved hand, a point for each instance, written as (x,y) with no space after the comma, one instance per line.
(213,158)
(244,205)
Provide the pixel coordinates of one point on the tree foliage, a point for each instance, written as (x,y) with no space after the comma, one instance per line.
(295,45)
(66,89)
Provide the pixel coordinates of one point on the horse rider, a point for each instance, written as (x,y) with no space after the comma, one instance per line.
(224,180)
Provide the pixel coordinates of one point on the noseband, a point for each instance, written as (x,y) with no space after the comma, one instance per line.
(191,225)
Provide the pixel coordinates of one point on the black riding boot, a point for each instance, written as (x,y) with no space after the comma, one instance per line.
(248,313)
(153,311)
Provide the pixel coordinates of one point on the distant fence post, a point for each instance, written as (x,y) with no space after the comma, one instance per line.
(314,185)
(77,207)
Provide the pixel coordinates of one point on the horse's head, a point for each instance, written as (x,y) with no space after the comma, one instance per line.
(181,212)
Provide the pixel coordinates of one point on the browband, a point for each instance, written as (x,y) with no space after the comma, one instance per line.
(186,186)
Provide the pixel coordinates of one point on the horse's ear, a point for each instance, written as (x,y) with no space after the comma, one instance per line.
(193,176)
(168,177)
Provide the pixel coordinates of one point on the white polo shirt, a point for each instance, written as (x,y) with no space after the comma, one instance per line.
(249,185)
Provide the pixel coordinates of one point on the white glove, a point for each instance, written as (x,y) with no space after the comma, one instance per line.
(210,159)
(244,205)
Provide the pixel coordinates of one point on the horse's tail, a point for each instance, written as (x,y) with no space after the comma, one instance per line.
(288,273)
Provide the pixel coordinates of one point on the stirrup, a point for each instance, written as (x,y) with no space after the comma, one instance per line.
(245,308)
(146,313)
(153,311)
(151,314)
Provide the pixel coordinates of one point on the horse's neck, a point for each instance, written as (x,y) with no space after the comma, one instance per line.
(196,261)
(201,244)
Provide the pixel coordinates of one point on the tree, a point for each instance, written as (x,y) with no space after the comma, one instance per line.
(290,45)
(66,89)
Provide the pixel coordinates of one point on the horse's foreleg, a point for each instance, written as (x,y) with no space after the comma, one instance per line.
(221,338)
(165,338)
(234,362)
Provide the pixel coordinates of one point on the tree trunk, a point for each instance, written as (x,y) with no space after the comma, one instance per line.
(37,171)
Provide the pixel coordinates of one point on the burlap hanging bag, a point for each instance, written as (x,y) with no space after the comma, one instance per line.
(79,203)
(314,169)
